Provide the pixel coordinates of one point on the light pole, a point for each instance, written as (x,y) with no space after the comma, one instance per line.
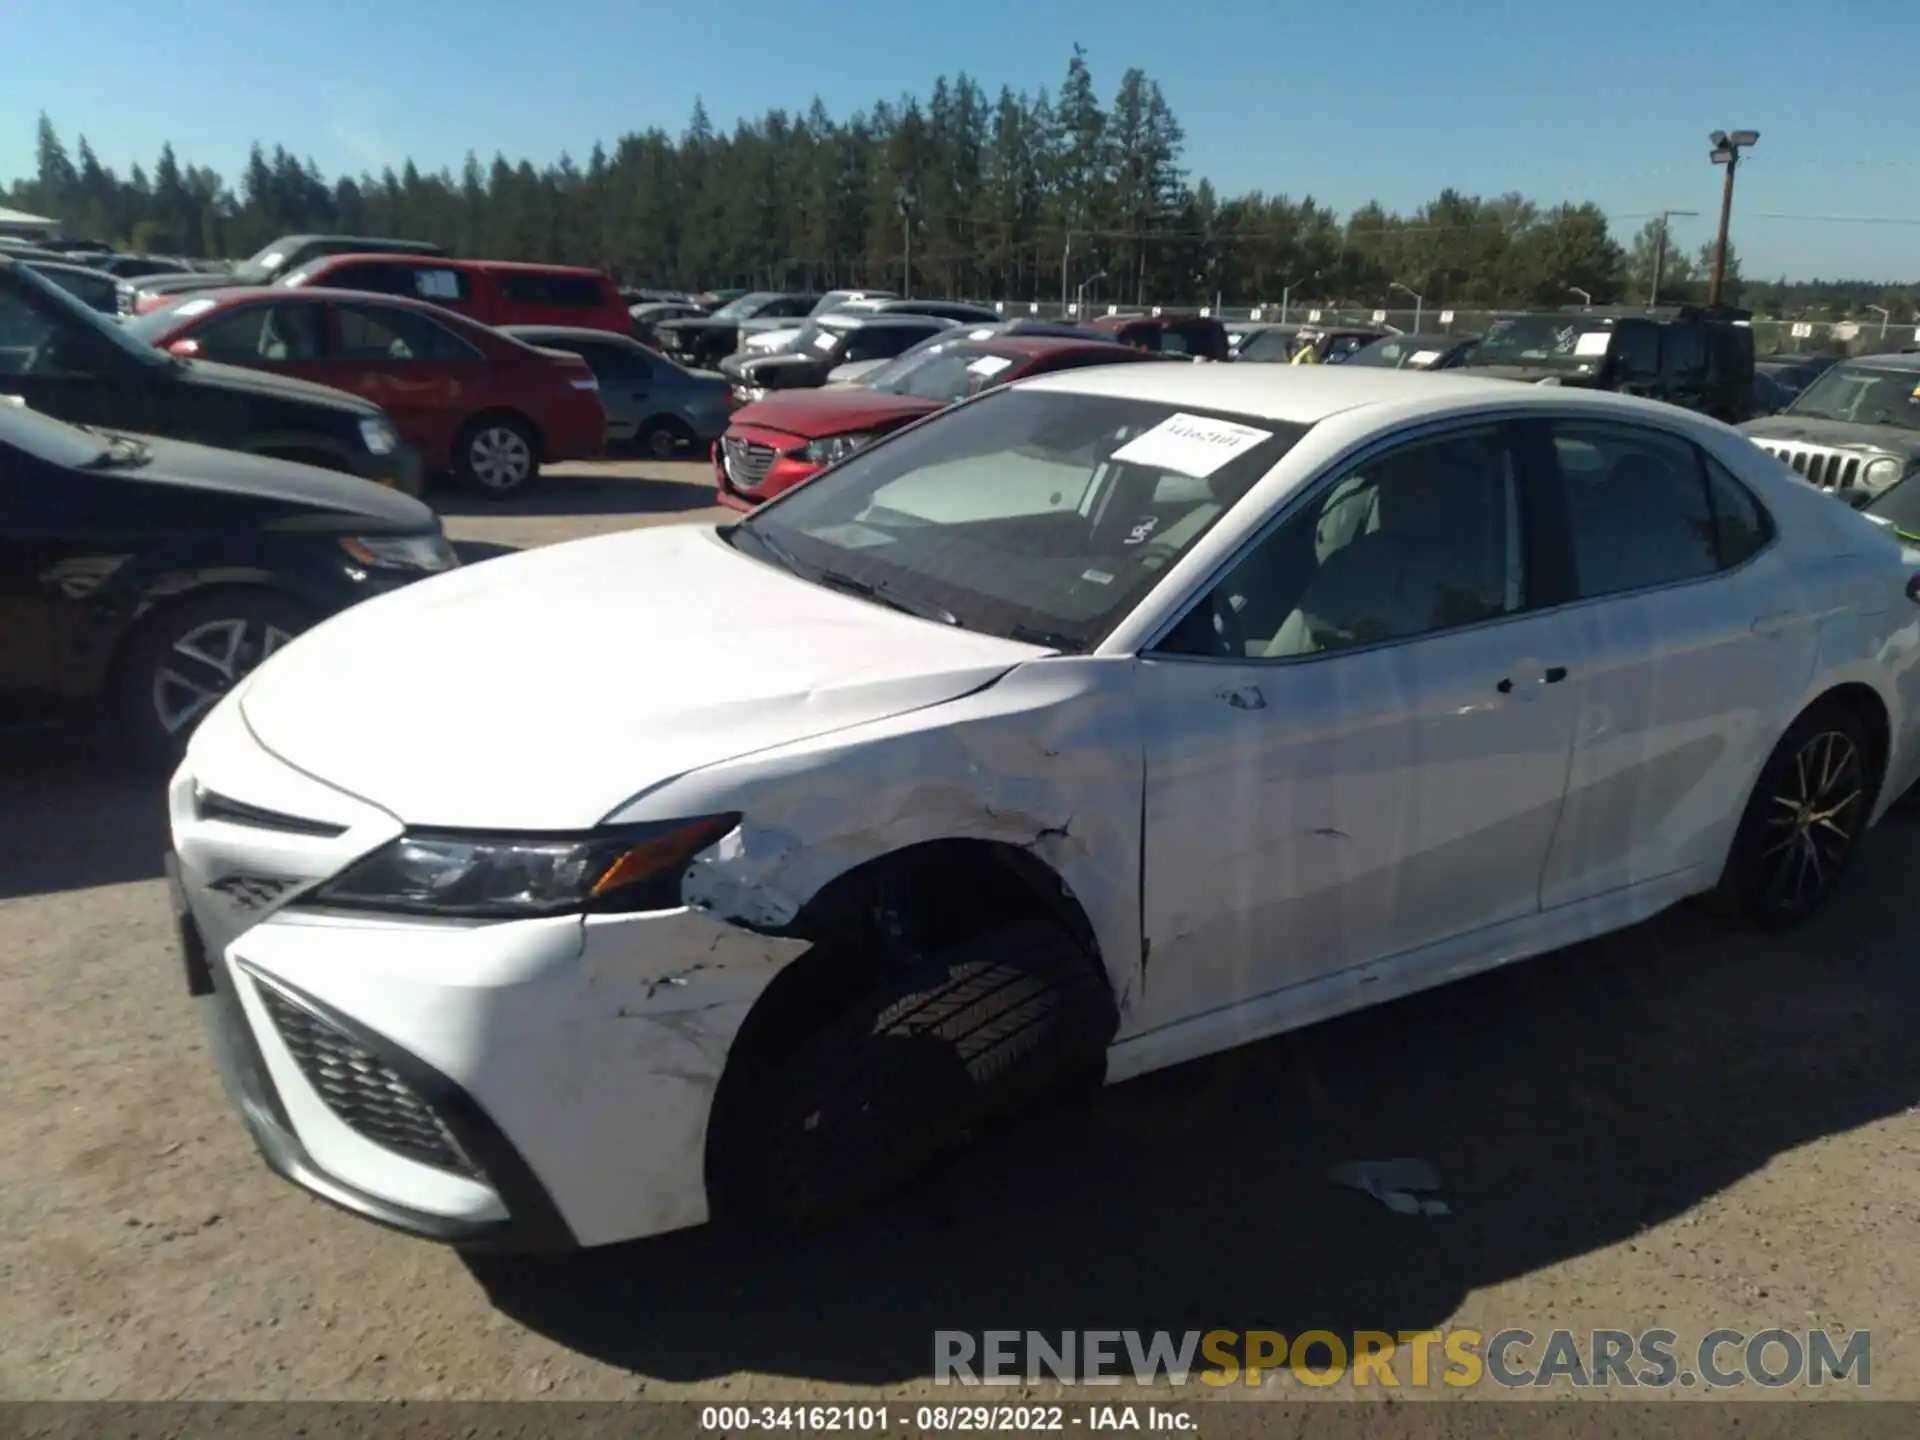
(1066,254)
(1586,297)
(1286,292)
(903,198)
(1726,151)
(1660,252)
(1885,315)
(1079,295)
(1418,302)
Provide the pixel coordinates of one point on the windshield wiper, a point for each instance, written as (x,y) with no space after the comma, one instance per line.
(772,547)
(880,595)
(1052,639)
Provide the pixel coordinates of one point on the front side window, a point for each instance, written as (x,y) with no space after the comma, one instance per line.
(1424,538)
(1043,517)
(232,336)
(1638,506)
(1636,353)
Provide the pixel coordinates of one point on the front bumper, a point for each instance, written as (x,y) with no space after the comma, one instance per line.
(525,1086)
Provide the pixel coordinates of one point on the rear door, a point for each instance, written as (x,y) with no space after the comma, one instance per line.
(1688,634)
(427,378)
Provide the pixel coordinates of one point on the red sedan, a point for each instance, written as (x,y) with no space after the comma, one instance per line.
(472,401)
(775,443)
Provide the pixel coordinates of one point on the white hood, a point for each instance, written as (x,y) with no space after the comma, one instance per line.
(541,690)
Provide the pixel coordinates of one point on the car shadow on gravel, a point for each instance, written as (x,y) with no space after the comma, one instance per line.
(1568,1103)
(599,494)
(74,814)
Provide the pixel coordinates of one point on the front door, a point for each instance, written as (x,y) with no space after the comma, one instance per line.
(1356,743)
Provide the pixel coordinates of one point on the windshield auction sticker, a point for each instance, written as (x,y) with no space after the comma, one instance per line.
(1190,445)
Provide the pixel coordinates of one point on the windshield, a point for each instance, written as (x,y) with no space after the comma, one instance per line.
(949,372)
(1269,345)
(1035,516)
(1864,395)
(746,307)
(817,337)
(46,331)
(1565,342)
(1413,352)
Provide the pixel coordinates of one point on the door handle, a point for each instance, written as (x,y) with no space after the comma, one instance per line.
(1551,675)
(1772,624)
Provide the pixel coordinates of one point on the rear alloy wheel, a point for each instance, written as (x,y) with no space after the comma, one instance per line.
(497,457)
(187,659)
(665,438)
(1804,822)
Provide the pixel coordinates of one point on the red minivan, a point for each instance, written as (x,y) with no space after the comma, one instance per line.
(494,292)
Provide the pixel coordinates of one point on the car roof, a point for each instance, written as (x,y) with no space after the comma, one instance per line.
(1037,345)
(867,320)
(570,332)
(1902,360)
(1304,394)
(233,294)
(443,262)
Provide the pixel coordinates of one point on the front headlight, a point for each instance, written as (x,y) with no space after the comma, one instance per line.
(379,435)
(400,552)
(832,449)
(1881,473)
(637,867)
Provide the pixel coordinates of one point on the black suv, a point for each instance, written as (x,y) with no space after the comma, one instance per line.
(77,365)
(154,575)
(1696,357)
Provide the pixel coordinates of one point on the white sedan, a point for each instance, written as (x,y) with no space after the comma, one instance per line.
(1099,723)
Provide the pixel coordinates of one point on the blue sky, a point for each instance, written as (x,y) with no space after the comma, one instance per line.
(1386,99)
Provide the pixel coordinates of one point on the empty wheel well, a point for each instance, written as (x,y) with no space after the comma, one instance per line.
(1866,706)
(882,916)
(485,417)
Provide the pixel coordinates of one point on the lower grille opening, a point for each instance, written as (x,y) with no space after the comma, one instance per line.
(366,1096)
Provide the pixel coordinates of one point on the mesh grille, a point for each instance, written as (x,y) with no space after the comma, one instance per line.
(747,462)
(368,1098)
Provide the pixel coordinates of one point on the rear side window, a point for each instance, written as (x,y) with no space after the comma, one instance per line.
(1741,529)
(441,285)
(521,287)
(369,333)
(1683,353)
(1638,506)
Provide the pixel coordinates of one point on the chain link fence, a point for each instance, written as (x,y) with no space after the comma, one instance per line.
(1770,337)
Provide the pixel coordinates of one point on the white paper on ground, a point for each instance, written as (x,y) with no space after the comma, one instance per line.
(1190,445)
(1593,342)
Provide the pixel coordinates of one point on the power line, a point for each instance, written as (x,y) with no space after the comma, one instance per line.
(1836,219)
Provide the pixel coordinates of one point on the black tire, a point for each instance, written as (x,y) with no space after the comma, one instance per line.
(906,1073)
(1803,823)
(497,456)
(185,657)
(665,437)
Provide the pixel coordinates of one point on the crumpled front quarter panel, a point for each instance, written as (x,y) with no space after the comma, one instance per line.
(1048,760)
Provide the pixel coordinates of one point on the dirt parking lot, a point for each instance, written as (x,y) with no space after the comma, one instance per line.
(1678,1126)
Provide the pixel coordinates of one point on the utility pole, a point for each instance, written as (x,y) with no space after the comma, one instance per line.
(1726,151)
(903,198)
(1660,253)
(1066,254)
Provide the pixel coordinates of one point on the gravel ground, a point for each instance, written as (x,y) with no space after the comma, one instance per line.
(1678,1126)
